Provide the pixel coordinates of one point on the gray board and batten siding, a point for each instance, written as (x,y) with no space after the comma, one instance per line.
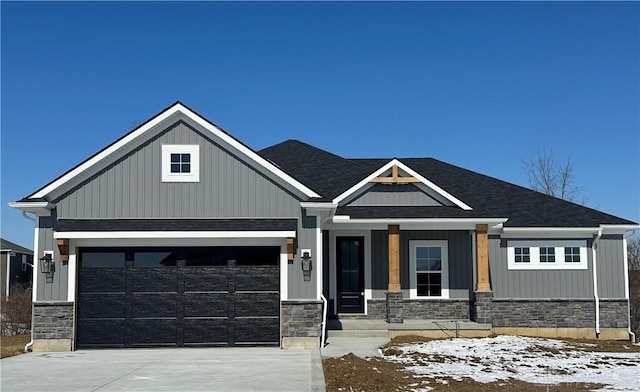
(130,187)
(460,260)
(394,195)
(559,284)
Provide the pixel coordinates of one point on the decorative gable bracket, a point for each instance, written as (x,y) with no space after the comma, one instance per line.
(395,178)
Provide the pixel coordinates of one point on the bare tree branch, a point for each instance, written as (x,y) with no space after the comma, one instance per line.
(547,176)
(633,254)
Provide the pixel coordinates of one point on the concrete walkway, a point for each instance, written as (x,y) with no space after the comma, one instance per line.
(184,369)
(338,346)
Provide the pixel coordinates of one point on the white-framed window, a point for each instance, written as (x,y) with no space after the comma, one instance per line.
(429,267)
(547,254)
(180,163)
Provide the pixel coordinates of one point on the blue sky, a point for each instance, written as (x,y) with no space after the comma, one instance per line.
(478,85)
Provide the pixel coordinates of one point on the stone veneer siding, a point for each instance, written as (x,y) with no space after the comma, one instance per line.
(441,309)
(558,313)
(53,320)
(395,307)
(301,319)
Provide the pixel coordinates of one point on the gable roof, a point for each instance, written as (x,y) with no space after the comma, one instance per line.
(6,245)
(331,175)
(386,167)
(139,131)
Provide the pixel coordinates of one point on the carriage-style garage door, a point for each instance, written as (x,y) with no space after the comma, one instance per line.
(217,296)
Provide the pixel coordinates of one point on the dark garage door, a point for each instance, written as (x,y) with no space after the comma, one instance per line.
(221,296)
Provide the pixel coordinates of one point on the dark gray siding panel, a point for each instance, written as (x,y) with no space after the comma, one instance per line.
(394,195)
(55,287)
(132,187)
(460,260)
(379,263)
(298,287)
(610,268)
(571,284)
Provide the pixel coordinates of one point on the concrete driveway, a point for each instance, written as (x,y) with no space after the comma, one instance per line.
(183,369)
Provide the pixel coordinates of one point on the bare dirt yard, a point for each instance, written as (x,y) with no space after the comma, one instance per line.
(13,345)
(508,363)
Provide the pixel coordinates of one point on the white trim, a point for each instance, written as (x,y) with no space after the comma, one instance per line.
(284,272)
(534,255)
(625,262)
(72,265)
(194,152)
(175,242)
(318,205)
(551,230)
(319,257)
(41,208)
(444,246)
(177,108)
(341,222)
(173,234)
(333,289)
(8,283)
(411,172)
(36,263)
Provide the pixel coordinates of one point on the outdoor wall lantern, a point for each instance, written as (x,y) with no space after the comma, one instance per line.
(46,264)
(306,264)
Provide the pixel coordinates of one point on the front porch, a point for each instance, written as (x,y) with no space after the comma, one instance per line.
(399,273)
(370,328)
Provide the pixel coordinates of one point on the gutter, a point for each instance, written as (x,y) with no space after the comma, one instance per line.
(595,283)
(324,321)
(632,336)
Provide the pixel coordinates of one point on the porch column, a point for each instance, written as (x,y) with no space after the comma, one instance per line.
(394,258)
(483,296)
(395,303)
(482,259)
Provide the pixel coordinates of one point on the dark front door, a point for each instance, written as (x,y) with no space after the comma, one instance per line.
(350,267)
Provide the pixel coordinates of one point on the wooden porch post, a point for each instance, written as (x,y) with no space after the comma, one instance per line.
(482,258)
(394,258)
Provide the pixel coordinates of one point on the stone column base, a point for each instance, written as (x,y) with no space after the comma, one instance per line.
(395,307)
(482,306)
(50,345)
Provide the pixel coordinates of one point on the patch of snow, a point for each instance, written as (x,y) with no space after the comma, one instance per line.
(534,360)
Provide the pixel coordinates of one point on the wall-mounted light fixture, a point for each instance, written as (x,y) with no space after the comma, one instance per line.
(306,264)
(46,264)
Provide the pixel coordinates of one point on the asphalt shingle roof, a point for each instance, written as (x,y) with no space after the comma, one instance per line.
(5,244)
(330,175)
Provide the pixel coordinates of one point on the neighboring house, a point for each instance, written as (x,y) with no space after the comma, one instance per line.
(179,234)
(16,264)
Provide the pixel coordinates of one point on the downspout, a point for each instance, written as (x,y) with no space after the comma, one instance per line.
(33,270)
(324,321)
(595,282)
(632,336)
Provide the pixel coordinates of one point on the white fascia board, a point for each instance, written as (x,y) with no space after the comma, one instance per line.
(412,224)
(548,232)
(177,108)
(409,171)
(40,208)
(318,205)
(618,229)
(173,234)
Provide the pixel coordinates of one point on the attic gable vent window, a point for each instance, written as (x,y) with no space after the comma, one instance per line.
(180,163)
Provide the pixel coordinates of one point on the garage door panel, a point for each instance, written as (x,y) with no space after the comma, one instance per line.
(206,331)
(155,279)
(206,279)
(146,303)
(257,330)
(154,305)
(257,304)
(102,280)
(206,304)
(102,333)
(154,332)
(257,279)
(102,305)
